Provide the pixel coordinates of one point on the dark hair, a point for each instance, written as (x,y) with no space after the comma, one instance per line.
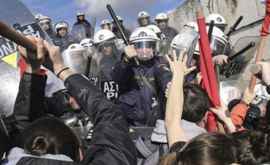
(205,149)
(196,103)
(253,147)
(50,135)
(233,103)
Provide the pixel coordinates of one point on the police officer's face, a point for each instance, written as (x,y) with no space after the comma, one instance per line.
(162,24)
(145,50)
(107,27)
(145,54)
(81,17)
(106,50)
(144,21)
(62,32)
(45,25)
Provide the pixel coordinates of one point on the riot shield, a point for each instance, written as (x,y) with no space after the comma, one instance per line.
(9,82)
(78,32)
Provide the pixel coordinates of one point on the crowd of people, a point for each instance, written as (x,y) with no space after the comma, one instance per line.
(136,104)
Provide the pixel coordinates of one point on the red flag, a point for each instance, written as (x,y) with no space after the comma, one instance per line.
(266,23)
(209,79)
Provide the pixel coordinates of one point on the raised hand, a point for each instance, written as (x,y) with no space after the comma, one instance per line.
(178,65)
(33,60)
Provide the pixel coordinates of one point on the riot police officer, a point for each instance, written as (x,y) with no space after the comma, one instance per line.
(143,19)
(82,28)
(62,39)
(103,61)
(142,85)
(162,20)
(45,23)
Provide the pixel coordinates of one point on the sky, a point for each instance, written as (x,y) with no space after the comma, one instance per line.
(66,10)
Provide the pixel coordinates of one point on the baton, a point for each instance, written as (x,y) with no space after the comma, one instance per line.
(117,23)
(119,27)
(243,50)
(235,25)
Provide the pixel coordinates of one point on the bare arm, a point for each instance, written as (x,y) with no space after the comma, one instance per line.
(174,107)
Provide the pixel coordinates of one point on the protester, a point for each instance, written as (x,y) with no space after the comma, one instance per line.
(121,98)
(216,149)
(48,141)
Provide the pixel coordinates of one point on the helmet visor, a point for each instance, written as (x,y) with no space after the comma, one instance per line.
(145,49)
(145,44)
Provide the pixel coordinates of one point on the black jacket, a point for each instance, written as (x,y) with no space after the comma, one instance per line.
(110,143)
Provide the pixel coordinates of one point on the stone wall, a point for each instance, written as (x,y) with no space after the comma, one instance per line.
(231,9)
(252,10)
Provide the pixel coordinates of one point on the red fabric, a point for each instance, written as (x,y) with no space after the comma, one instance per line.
(266,23)
(22,67)
(209,80)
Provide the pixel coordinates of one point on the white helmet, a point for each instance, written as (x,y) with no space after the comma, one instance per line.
(80,14)
(218,19)
(186,39)
(143,14)
(142,38)
(119,18)
(87,43)
(193,25)
(143,34)
(105,21)
(42,18)
(154,28)
(162,17)
(60,25)
(103,35)
(219,42)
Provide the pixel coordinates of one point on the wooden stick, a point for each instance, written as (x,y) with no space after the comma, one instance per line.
(16,37)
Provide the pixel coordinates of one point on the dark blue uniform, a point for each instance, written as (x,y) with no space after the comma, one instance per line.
(142,89)
(100,74)
(63,42)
